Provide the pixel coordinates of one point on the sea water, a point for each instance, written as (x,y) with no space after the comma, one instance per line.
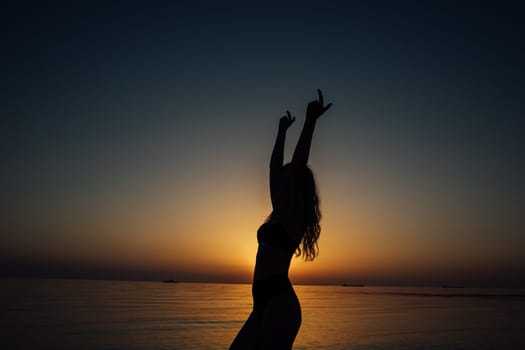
(85,314)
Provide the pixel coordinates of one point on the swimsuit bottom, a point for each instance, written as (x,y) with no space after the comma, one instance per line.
(264,290)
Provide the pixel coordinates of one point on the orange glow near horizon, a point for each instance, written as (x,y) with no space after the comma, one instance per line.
(205,236)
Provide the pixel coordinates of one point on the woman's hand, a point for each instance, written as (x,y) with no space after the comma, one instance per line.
(316,108)
(286,121)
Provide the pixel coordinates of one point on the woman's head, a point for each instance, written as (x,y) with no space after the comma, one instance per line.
(312,215)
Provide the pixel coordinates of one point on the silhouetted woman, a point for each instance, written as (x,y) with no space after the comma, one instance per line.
(292,227)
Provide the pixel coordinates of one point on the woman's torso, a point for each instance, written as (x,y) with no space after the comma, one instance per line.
(275,250)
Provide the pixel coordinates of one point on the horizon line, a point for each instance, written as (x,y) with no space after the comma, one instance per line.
(346,285)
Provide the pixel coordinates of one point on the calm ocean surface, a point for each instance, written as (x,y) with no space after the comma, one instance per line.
(83,314)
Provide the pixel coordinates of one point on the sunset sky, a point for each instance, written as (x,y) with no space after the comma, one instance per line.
(135,140)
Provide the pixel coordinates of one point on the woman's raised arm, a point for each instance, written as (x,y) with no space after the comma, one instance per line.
(276,162)
(314,110)
(278,148)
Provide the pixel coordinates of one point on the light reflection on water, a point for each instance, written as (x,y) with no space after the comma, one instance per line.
(81,314)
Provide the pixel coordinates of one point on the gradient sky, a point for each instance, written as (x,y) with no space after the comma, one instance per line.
(135,140)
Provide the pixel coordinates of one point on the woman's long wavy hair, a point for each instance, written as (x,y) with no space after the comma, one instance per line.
(308,246)
(312,216)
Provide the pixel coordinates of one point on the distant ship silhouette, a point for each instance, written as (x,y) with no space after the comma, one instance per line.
(352,285)
(450,286)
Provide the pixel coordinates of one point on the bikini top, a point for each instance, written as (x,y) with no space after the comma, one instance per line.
(275,235)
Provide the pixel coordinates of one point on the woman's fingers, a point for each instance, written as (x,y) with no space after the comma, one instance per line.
(321,101)
(286,120)
(290,118)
